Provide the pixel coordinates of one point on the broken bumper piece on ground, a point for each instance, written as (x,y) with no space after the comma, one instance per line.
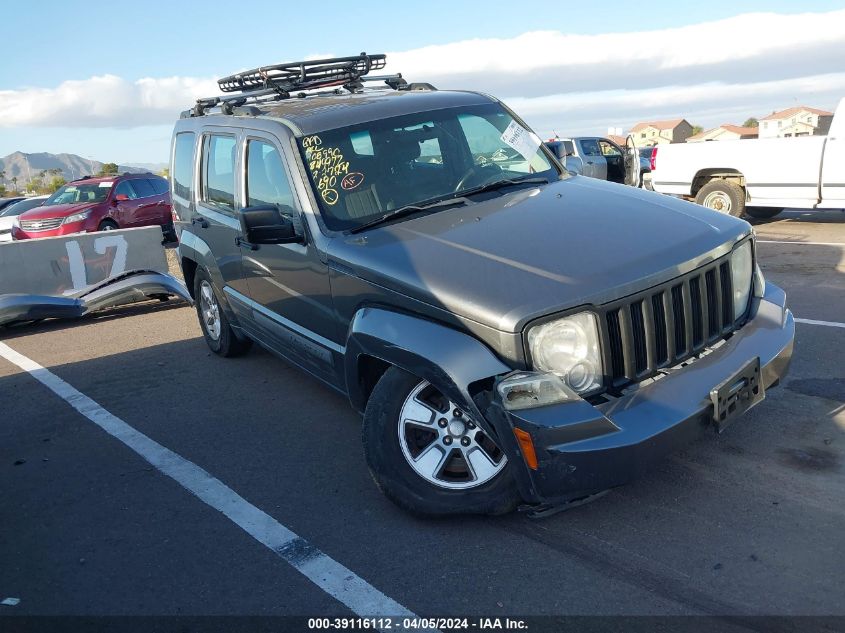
(128,287)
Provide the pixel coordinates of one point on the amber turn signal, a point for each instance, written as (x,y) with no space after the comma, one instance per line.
(526,445)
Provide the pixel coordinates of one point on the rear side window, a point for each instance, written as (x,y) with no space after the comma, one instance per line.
(219,171)
(183,164)
(159,185)
(266,178)
(143,187)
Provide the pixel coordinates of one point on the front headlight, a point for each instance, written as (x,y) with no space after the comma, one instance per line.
(77,217)
(742,271)
(569,347)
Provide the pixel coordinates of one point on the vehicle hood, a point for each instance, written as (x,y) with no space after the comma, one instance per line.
(7,222)
(536,251)
(56,210)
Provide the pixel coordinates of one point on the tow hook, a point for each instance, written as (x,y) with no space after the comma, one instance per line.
(545,510)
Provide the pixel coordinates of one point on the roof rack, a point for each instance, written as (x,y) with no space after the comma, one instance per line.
(280,81)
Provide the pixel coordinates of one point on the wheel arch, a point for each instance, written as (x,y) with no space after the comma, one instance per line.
(194,253)
(703,176)
(453,361)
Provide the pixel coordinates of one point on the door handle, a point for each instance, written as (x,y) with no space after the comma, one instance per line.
(201,221)
(589,162)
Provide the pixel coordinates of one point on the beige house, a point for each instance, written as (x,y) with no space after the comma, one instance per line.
(725,132)
(650,133)
(797,121)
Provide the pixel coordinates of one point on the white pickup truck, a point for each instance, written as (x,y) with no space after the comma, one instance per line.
(757,177)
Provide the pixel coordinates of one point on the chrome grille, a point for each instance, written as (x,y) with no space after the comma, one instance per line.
(41,225)
(667,324)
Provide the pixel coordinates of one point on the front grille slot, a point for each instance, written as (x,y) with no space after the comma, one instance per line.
(638,331)
(614,332)
(727,295)
(695,304)
(713,311)
(667,324)
(661,354)
(680,320)
(41,225)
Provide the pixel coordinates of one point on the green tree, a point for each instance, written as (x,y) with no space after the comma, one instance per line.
(56,182)
(697,129)
(750,122)
(2,191)
(108,169)
(14,180)
(35,185)
(165,173)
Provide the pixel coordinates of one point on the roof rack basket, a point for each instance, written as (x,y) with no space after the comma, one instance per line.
(305,75)
(277,82)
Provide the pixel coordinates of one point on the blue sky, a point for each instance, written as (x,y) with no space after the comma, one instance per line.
(197,42)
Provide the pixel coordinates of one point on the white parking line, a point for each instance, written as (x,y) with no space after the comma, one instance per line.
(840,244)
(329,575)
(814,322)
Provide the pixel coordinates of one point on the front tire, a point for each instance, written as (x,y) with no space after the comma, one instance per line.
(108,225)
(429,457)
(723,196)
(216,330)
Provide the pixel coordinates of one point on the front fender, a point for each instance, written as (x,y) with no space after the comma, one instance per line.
(445,357)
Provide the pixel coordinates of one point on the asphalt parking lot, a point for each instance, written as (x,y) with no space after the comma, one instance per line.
(746,523)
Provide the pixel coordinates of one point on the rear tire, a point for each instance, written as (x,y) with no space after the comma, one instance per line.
(216,330)
(723,196)
(761,213)
(395,451)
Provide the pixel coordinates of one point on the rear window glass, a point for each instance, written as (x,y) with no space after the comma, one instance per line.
(183,161)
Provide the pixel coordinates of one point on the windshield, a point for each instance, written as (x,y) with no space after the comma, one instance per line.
(76,193)
(362,172)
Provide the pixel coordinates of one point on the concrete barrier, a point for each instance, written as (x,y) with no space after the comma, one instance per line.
(64,265)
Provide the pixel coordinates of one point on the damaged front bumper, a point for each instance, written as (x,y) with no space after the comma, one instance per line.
(128,287)
(583,448)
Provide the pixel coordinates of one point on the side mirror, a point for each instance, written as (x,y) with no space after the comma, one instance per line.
(121,197)
(265,224)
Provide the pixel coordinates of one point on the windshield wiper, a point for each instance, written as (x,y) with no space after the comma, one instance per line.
(505,182)
(410,209)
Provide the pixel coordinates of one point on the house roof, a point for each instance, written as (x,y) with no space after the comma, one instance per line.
(619,140)
(738,129)
(660,125)
(785,114)
(729,127)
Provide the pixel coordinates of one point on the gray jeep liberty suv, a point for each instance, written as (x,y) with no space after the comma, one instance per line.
(512,333)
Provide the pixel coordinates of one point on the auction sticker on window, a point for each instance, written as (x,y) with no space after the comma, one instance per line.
(523,141)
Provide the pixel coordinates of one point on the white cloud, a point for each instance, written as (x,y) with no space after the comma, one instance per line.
(103,101)
(732,39)
(555,79)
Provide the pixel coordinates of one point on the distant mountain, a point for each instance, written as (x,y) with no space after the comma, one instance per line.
(153,167)
(26,166)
